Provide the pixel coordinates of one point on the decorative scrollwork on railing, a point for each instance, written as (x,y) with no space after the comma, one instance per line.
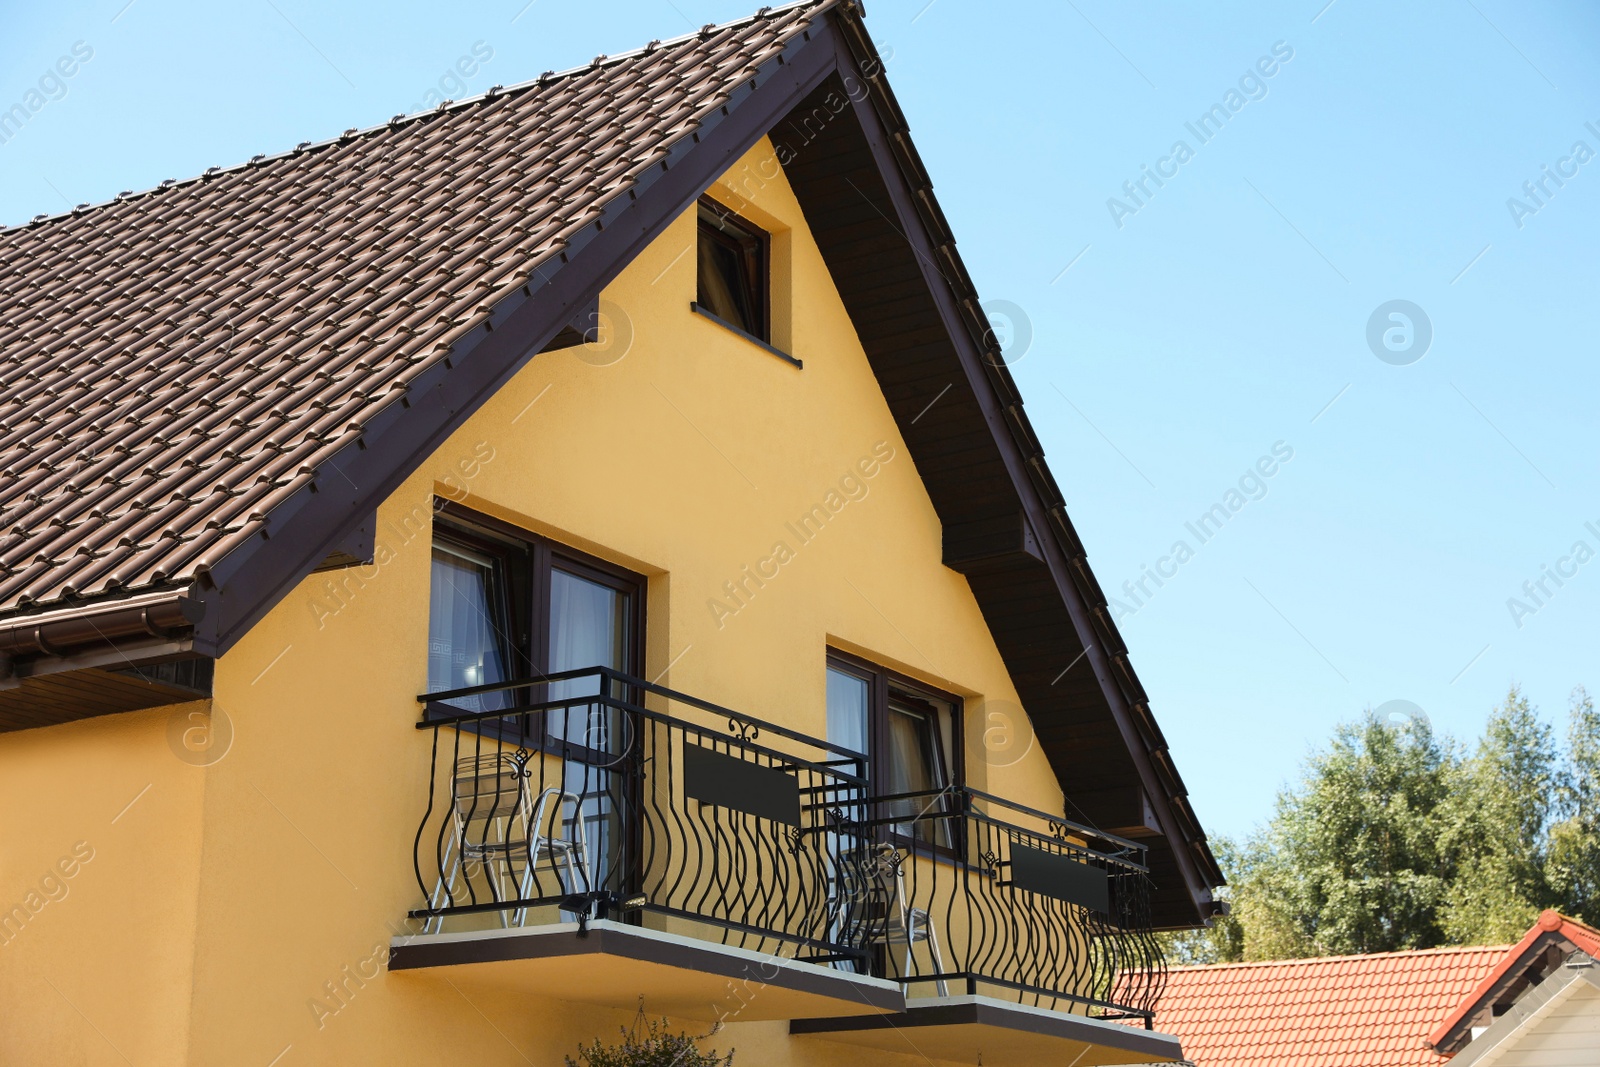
(779,844)
(596,794)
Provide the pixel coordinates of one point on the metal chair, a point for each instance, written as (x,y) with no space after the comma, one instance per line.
(878,912)
(497,828)
(569,848)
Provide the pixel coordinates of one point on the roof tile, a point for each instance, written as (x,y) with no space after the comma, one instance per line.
(1345,1011)
(179,360)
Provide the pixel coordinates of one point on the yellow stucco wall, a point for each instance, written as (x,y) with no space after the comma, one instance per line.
(99,877)
(236,897)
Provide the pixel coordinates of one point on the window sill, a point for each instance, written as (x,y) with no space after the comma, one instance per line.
(752,338)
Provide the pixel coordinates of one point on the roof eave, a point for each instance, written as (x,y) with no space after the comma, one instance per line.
(304,528)
(121,631)
(1551,929)
(889,136)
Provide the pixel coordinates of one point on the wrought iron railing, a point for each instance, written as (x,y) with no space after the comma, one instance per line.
(593,794)
(969,893)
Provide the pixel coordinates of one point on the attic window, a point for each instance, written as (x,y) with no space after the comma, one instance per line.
(733,260)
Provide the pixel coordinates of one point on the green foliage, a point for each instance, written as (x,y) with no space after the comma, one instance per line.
(1395,839)
(655,1047)
(1223,940)
(1573,859)
(1502,801)
(1351,861)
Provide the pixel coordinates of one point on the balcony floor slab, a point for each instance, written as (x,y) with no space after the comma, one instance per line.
(961,1029)
(615,964)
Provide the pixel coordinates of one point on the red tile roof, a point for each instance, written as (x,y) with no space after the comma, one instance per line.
(176,362)
(1552,928)
(1340,1011)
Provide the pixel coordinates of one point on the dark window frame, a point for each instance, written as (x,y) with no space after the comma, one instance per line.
(758,288)
(882,682)
(527,560)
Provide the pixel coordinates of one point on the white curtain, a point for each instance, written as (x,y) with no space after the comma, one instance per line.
(464,646)
(588,627)
(847,710)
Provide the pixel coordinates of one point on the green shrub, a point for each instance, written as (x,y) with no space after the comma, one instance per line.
(656,1047)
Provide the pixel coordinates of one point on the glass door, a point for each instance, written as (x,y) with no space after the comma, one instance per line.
(591,625)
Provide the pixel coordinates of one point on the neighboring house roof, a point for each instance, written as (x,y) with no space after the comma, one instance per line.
(1554,1024)
(1552,939)
(210,386)
(1339,1011)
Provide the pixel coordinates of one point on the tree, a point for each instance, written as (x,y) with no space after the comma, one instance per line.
(1351,860)
(1395,839)
(1573,862)
(1223,940)
(1495,827)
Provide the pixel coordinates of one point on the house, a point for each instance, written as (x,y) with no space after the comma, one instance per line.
(572,553)
(1532,1003)
(1538,1007)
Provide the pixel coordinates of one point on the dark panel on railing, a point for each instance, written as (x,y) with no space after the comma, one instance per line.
(766,792)
(604,804)
(1060,877)
(600,803)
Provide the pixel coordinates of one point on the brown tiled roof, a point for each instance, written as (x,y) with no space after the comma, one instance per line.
(175,363)
(1339,1011)
(213,385)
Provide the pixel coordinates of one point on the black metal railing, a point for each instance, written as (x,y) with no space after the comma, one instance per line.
(968,893)
(594,794)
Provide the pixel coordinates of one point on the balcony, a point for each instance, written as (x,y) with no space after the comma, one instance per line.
(593,837)
(1019,937)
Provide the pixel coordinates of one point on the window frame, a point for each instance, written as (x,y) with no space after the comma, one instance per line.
(881,682)
(512,564)
(527,560)
(759,292)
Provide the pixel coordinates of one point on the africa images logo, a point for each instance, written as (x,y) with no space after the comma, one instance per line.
(1399,332)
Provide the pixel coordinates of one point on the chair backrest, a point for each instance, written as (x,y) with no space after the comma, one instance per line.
(557,808)
(489,788)
(869,878)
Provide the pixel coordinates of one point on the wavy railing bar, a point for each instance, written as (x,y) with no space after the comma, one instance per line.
(593,805)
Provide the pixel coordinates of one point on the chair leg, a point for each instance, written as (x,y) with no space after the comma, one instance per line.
(499,877)
(938,958)
(525,889)
(441,890)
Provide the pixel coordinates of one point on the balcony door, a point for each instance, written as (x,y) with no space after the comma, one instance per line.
(590,623)
(910,734)
(507,605)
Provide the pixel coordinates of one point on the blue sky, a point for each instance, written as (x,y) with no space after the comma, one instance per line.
(1226,314)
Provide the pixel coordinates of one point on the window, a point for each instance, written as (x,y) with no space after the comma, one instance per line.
(470,637)
(910,734)
(505,604)
(733,261)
